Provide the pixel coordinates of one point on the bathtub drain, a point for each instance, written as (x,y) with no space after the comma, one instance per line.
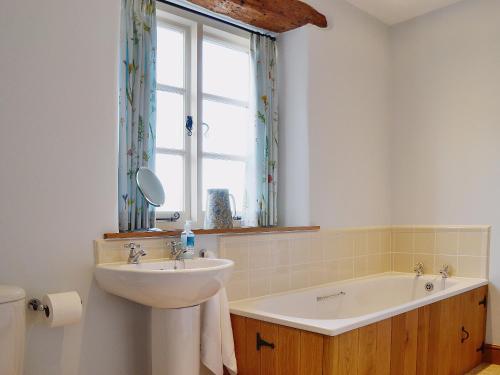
(429,286)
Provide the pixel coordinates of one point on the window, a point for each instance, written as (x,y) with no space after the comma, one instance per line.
(225,118)
(203,71)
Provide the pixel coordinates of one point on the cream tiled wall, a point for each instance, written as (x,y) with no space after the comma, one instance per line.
(278,262)
(463,248)
(273,263)
(112,251)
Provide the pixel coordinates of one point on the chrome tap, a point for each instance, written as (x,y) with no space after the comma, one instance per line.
(176,250)
(445,271)
(133,255)
(419,269)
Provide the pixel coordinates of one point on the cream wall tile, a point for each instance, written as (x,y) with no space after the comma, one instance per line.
(280,279)
(360,243)
(386,262)
(300,251)
(345,268)
(471,266)
(447,242)
(374,242)
(361,266)
(316,252)
(239,255)
(373,264)
(317,274)
(237,287)
(299,277)
(402,262)
(385,240)
(279,253)
(424,242)
(316,245)
(259,283)
(236,241)
(332,272)
(343,246)
(402,242)
(471,243)
(259,254)
(327,244)
(486,243)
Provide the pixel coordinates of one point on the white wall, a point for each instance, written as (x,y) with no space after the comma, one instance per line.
(446,124)
(401,125)
(58,109)
(342,133)
(293,106)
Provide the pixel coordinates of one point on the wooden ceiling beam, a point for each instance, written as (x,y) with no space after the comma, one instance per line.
(274,15)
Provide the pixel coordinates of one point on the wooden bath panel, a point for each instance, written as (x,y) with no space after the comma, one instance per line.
(443,338)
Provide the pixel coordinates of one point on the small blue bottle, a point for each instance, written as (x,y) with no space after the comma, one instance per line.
(187,240)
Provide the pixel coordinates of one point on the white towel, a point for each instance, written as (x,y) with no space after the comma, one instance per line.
(217,345)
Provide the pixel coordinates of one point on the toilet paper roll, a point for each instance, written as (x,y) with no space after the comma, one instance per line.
(62,308)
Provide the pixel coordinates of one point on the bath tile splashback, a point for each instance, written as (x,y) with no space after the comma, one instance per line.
(464,248)
(273,263)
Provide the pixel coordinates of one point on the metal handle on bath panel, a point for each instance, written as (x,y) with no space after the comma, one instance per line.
(261,342)
(466,334)
(481,348)
(484,301)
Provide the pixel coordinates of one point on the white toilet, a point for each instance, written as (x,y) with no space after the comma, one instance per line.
(12,329)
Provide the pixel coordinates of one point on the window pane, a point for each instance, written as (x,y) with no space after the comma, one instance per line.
(226,71)
(169,120)
(170,171)
(224,174)
(170,57)
(227,128)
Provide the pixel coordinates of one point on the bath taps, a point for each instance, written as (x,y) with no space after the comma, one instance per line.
(133,255)
(419,269)
(445,271)
(176,250)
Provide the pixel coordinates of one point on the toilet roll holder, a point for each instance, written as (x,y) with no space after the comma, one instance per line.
(36,305)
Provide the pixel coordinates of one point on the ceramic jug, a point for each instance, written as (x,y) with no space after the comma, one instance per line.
(218,214)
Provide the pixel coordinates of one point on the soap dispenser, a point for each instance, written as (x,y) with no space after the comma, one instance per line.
(187,240)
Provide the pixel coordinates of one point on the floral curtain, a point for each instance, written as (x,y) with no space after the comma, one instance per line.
(137,102)
(264,54)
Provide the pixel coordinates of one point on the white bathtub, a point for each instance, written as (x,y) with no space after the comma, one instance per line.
(335,308)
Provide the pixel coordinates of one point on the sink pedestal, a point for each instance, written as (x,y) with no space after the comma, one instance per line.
(175,339)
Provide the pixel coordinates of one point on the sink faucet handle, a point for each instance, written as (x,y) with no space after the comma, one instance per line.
(132,245)
(445,271)
(419,268)
(175,244)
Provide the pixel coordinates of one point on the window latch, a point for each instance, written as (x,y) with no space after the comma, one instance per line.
(189,125)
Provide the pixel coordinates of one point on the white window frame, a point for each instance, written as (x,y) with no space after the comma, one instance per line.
(196,29)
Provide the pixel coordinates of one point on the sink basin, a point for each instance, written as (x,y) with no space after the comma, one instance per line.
(166,284)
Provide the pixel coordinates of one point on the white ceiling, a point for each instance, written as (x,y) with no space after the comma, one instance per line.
(395,11)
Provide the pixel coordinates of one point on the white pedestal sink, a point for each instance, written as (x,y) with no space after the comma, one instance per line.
(174,290)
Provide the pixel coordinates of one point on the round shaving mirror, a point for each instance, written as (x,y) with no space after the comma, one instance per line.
(150,186)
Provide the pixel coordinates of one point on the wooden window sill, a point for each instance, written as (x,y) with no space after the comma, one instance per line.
(243,230)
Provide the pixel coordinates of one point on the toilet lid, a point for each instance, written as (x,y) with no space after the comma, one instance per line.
(11,293)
